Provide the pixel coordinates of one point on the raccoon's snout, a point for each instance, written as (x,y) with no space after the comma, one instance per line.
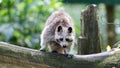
(64,46)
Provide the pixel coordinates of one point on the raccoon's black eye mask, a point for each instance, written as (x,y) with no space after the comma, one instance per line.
(69,40)
(61,39)
(58,40)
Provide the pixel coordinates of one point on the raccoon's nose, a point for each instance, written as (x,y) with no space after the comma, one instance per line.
(64,46)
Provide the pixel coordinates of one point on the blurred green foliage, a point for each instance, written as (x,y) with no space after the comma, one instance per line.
(109,2)
(21,21)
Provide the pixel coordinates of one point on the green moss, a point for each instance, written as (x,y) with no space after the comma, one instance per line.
(113,61)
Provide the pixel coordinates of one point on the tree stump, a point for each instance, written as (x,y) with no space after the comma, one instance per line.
(89,41)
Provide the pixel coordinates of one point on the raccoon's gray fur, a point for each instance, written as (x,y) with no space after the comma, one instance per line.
(58,33)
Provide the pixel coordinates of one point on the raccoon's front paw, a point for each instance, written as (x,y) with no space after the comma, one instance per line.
(69,56)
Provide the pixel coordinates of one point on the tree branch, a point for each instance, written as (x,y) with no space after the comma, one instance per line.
(16,55)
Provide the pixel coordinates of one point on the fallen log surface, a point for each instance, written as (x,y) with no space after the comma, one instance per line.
(21,57)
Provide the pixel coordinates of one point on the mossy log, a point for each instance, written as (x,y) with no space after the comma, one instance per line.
(13,55)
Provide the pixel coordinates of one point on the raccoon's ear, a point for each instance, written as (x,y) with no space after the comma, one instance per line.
(59,28)
(69,29)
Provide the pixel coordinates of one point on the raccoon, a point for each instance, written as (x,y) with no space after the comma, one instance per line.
(58,33)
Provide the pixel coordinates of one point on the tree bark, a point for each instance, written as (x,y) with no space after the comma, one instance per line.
(89,32)
(21,57)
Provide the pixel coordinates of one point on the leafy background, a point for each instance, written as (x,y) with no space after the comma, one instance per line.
(21,21)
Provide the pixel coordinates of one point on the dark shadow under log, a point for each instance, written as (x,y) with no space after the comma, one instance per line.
(27,58)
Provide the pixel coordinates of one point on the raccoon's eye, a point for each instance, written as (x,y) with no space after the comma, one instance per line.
(69,40)
(61,39)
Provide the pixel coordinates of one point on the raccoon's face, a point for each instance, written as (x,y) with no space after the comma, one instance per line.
(64,36)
